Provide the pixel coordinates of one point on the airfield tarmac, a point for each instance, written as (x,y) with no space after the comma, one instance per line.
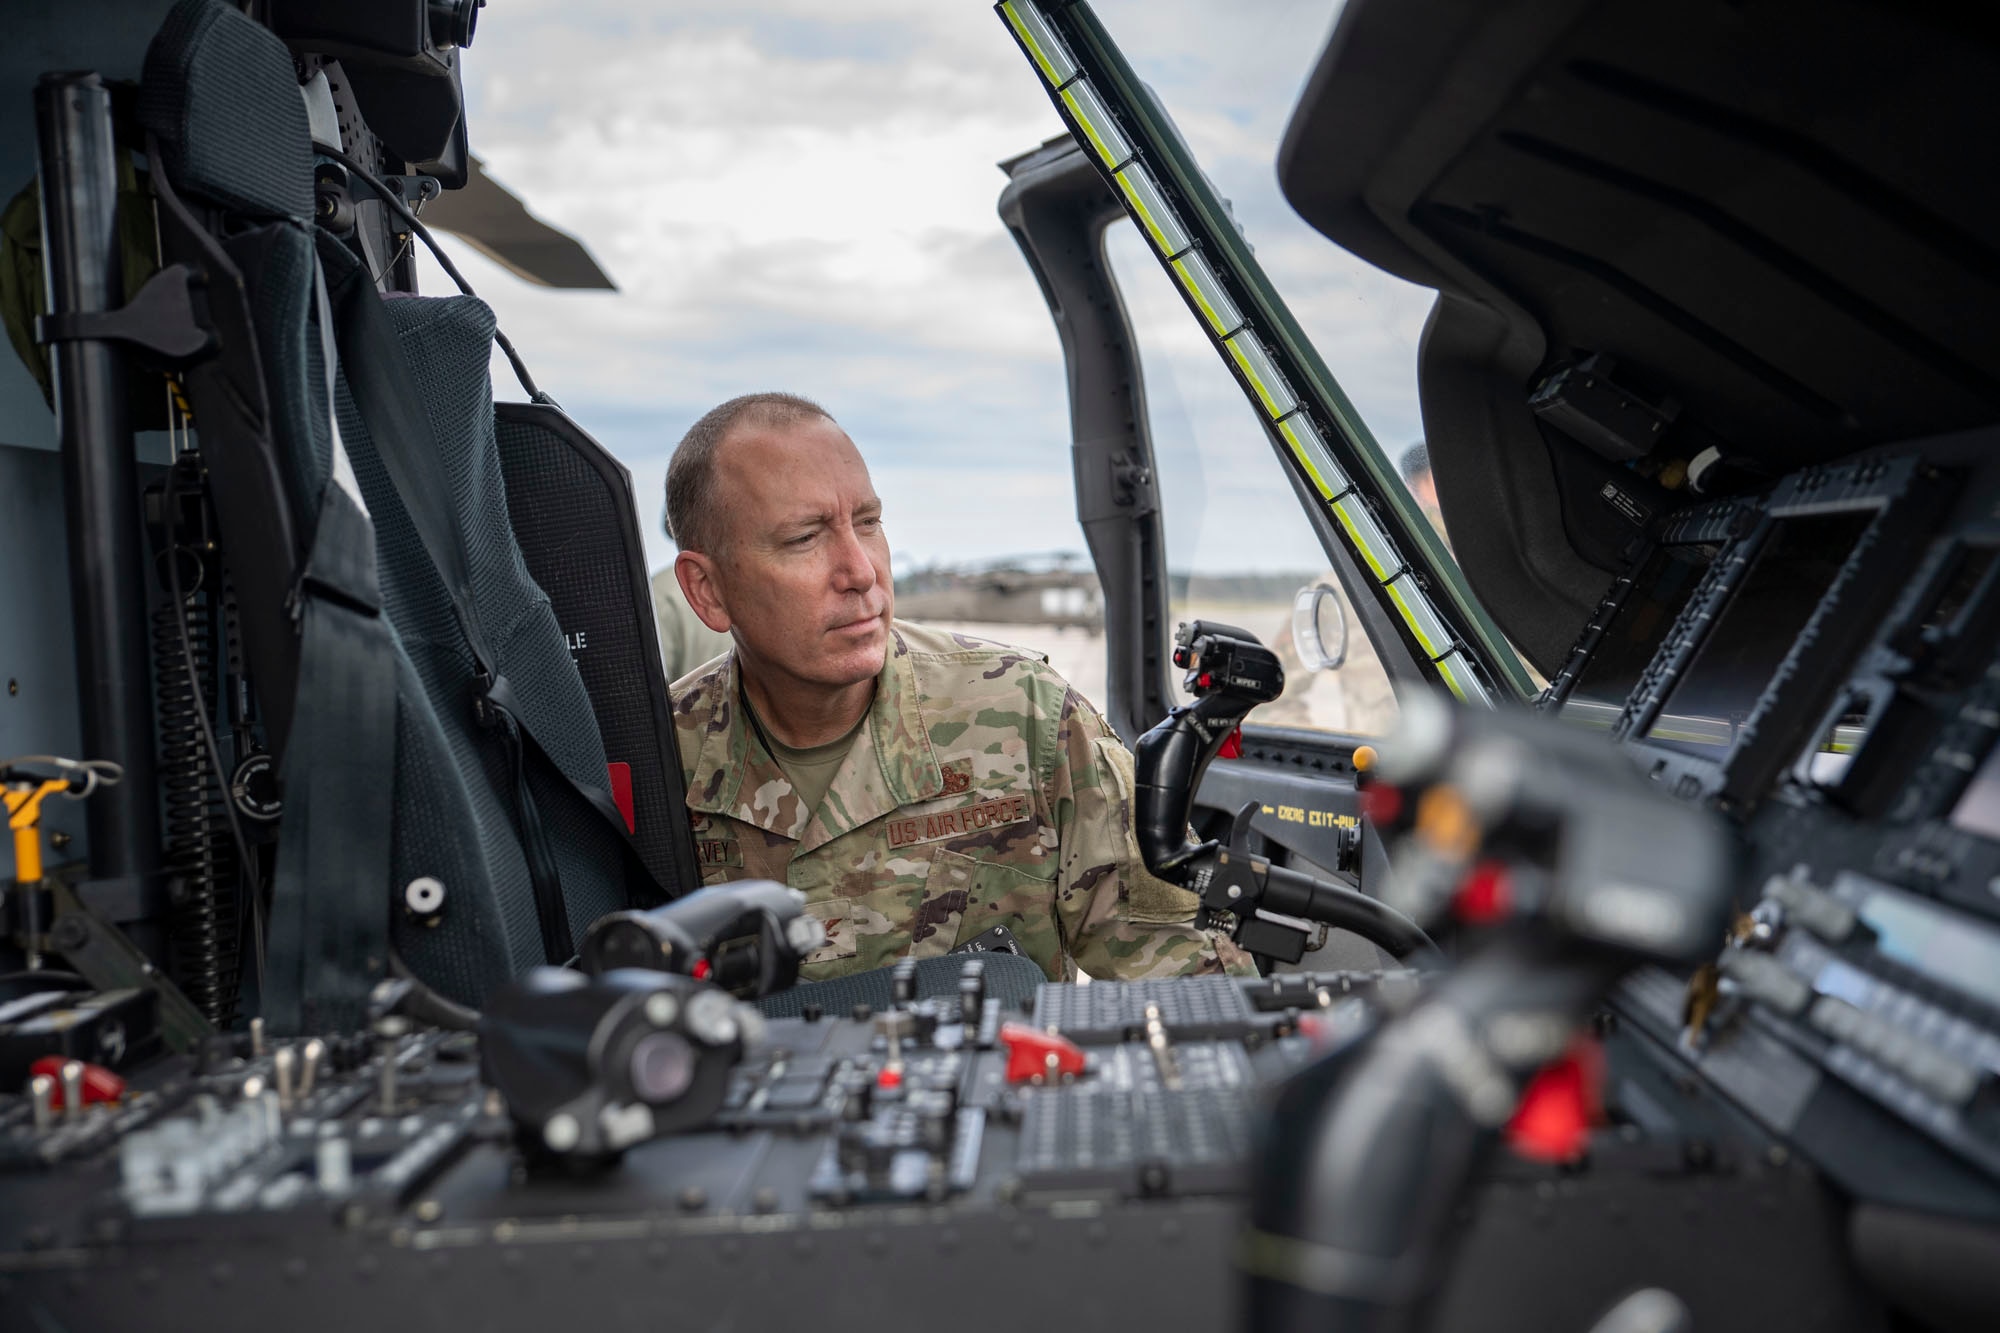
(1353,699)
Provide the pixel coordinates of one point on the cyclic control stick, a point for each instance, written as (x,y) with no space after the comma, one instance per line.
(1229,673)
(1564,868)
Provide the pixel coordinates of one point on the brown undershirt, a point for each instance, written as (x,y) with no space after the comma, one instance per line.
(811,770)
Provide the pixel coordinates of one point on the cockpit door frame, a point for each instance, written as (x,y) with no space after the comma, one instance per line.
(1128,138)
(1057,208)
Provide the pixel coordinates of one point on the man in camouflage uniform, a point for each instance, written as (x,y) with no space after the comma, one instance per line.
(961,785)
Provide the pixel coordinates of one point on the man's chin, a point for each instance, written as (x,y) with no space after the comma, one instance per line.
(853,657)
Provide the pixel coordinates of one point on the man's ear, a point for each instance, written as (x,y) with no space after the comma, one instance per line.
(697,575)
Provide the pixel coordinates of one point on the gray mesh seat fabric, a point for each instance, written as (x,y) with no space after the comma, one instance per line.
(446,341)
(366,682)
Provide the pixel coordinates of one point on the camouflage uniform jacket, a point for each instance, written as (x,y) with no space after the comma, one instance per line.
(981,791)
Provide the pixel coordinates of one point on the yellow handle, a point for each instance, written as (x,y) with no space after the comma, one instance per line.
(28,855)
(24,816)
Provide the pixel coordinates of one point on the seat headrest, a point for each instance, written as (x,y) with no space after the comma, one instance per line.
(220,93)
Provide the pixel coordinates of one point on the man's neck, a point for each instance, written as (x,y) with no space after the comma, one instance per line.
(803,714)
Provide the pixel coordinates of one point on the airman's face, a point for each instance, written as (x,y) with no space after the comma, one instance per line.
(802,577)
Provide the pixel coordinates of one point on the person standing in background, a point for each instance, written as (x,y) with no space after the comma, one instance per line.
(685,643)
(1416,469)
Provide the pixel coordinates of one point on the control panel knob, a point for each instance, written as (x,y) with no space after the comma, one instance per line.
(866,1148)
(971,991)
(895,1026)
(856,1104)
(333,1162)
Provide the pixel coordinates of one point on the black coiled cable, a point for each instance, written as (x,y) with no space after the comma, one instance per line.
(201,860)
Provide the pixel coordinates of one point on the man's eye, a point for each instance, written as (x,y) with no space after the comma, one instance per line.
(801,540)
(874,522)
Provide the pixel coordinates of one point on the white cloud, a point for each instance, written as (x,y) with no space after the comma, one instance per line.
(792,200)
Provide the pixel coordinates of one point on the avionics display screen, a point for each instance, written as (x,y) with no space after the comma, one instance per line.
(1756,628)
(1660,590)
(1939,943)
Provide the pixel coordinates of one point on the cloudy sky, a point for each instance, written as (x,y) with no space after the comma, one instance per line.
(802,196)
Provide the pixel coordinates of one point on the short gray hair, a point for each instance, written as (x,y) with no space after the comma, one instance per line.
(691,507)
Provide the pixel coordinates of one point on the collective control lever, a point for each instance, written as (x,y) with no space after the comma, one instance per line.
(1229,673)
(1260,904)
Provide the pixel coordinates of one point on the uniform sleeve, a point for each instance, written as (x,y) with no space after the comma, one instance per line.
(1117,920)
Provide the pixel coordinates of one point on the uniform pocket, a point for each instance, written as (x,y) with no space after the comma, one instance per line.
(980,895)
(890,916)
(842,941)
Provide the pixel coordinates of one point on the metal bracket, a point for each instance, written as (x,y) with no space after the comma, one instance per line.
(102,956)
(416,191)
(1132,483)
(167,317)
(997,940)
(1229,880)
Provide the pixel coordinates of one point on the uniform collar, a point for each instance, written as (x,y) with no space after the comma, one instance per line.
(891,765)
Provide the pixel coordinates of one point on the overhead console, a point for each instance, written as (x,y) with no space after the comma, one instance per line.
(1681,252)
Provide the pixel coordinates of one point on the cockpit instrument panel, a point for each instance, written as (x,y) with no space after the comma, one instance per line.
(1819,662)
(1742,617)
(1629,625)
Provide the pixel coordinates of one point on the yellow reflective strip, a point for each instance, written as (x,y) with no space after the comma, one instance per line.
(1584,713)
(1418,614)
(1098,127)
(1370,543)
(1055,64)
(1249,370)
(1143,195)
(1310,450)
(1142,212)
(1199,282)
(1272,391)
(1460,680)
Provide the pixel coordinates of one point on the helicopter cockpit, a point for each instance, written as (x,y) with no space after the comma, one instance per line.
(1615,835)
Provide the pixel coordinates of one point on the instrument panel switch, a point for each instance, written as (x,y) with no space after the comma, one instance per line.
(1035,1056)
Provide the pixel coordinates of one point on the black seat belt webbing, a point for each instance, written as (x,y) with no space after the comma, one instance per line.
(329,931)
(329,935)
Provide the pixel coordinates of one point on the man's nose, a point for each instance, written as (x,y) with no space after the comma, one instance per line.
(853,570)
